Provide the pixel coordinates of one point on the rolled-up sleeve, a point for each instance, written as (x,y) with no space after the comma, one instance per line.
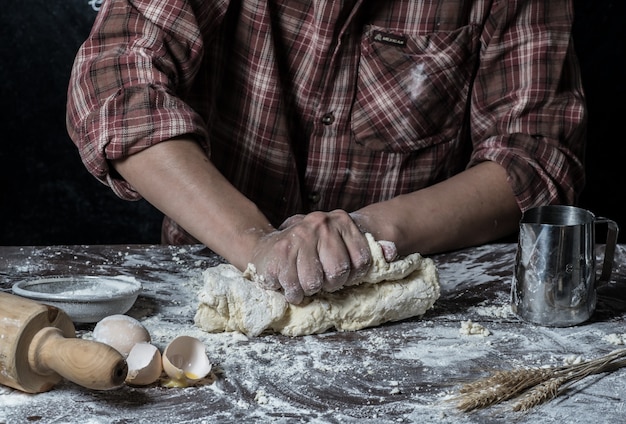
(528,110)
(129,81)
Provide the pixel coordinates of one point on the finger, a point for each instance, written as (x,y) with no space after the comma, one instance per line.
(266,265)
(268,280)
(390,252)
(335,263)
(310,272)
(291,285)
(355,246)
(287,271)
(360,256)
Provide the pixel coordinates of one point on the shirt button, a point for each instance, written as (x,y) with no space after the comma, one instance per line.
(328,118)
(314,197)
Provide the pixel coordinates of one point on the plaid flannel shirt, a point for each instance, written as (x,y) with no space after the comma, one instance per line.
(317,105)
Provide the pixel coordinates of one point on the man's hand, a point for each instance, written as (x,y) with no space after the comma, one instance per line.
(314,252)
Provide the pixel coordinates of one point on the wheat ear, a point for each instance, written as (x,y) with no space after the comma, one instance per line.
(499,387)
(535,385)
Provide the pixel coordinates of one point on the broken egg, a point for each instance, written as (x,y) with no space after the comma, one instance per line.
(185,361)
(121,332)
(144,364)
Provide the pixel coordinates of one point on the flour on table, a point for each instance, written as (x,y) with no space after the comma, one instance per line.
(390,291)
(503,311)
(615,338)
(572,360)
(261,397)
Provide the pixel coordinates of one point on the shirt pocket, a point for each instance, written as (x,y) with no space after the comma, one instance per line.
(412,89)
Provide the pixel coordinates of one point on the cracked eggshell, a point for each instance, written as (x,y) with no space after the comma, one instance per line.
(121,332)
(144,364)
(185,359)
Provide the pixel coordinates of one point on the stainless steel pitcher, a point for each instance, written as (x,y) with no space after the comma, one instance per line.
(555,281)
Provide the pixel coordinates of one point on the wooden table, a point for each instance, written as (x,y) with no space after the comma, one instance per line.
(397,373)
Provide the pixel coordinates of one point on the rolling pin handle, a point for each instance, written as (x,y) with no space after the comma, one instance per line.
(87,363)
(53,313)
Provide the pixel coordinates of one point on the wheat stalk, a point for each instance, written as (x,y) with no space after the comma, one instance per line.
(499,387)
(534,385)
(539,394)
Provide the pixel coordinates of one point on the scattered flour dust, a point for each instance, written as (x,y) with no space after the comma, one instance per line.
(261,397)
(616,339)
(573,360)
(503,311)
(395,390)
(258,366)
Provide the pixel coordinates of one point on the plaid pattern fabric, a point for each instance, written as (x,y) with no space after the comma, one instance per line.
(317,105)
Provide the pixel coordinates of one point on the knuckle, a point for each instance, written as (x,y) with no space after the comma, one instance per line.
(340,214)
(282,247)
(364,259)
(317,220)
(337,278)
(338,273)
(294,295)
(312,286)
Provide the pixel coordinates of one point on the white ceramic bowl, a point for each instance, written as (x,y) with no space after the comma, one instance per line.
(85,299)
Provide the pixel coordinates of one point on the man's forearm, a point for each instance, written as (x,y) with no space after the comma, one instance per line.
(178,179)
(473,207)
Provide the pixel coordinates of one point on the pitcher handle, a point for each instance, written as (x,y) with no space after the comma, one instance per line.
(609,251)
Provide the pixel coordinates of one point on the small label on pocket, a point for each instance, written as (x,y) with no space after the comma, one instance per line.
(388,38)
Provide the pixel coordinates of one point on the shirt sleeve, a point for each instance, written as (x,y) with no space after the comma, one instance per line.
(528,110)
(128,83)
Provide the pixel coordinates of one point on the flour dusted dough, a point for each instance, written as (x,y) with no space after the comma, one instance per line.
(394,291)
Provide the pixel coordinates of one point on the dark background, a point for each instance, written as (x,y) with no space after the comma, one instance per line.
(47,197)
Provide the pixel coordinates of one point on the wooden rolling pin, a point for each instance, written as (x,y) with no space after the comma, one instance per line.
(38,347)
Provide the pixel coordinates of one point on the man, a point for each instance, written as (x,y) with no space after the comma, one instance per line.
(277,132)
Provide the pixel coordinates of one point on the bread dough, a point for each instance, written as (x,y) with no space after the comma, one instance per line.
(405,288)
(469,328)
